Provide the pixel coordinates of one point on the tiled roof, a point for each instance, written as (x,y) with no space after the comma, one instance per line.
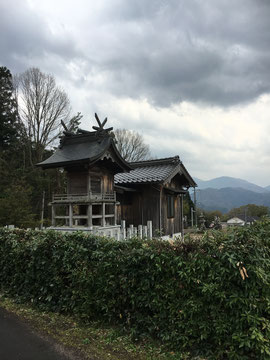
(154,171)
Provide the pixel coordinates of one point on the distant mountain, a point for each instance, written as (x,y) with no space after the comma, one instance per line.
(230,182)
(227,198)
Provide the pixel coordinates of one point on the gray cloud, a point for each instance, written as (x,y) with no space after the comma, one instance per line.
(26,39)
(196,52)
(168,52)
(209,52)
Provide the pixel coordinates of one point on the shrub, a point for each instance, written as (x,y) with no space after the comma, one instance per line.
(211,296)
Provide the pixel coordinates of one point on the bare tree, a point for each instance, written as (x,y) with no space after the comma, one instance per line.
(131,145)
(42,107)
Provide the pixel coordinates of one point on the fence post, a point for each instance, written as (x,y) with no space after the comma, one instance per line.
(129,233)
(144,231)
(131,230)
(123,228)
(149,229)
(118,234)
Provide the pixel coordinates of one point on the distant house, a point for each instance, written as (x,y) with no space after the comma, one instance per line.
(241,220)
(103,189)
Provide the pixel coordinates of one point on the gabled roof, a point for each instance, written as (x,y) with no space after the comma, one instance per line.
(87,147)
(155,171)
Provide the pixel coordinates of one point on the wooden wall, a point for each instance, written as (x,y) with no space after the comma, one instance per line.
(138,207)
(144,204)
(79,180)
(171,225)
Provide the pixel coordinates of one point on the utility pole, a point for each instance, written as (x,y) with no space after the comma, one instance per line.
(195,206)
(42,210)
(192,221)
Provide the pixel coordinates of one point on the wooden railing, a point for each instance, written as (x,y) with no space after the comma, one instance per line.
(85,197)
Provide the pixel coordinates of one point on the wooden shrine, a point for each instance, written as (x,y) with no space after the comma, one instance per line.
(90,160)
(104,191)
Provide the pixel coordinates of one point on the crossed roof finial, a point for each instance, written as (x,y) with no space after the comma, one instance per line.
(100,128)
(100,131)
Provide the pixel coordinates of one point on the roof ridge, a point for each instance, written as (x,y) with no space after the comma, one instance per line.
(174,159)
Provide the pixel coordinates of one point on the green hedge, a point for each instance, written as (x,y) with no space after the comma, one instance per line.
(193,295)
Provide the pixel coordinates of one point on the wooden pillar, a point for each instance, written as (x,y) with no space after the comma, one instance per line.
(70,216)
(53,215)
(103,214)
(160,210)
(88,183)
(89,216)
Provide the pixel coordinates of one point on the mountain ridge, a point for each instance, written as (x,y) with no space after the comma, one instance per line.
(227,198)
(228,181)
(225,192)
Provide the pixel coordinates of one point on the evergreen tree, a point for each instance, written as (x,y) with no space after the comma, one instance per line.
(15,207)
(8,110)
(22,185)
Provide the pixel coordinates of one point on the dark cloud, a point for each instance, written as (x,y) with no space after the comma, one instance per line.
(26,39)
(165,51)
(199,51)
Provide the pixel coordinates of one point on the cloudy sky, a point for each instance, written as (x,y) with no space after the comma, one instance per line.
(192,76)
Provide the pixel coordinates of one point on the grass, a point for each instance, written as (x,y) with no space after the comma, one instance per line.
(90,340)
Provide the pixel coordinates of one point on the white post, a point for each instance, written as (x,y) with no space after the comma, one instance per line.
(135,233)
(115,214)
(140,231)
(129,233)
(118,234)
(149,229)
(123,228)
(131,230)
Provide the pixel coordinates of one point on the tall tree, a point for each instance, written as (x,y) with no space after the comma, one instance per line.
(131,145)
(8,109)
(42,107)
